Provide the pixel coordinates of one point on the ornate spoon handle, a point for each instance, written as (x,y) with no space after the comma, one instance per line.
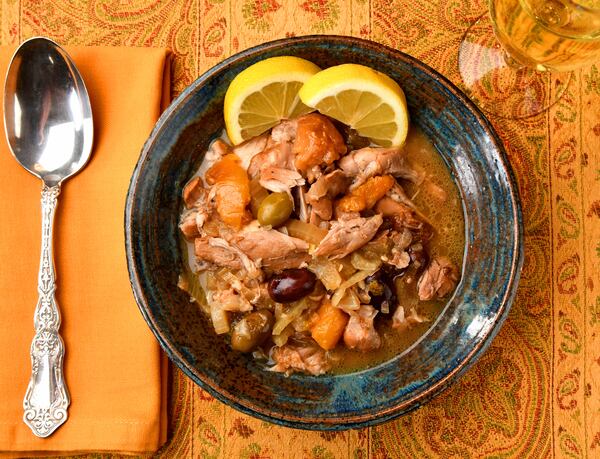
(47,398)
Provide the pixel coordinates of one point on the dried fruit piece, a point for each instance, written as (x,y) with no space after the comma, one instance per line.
(317,142)
(232,189)
(329,325)
(366,195)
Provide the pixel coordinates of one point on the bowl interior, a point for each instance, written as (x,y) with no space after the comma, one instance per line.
(472,316)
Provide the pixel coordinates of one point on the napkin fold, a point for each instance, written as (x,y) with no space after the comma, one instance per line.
(114,369)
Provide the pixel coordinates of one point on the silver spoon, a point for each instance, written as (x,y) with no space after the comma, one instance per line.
(48,122)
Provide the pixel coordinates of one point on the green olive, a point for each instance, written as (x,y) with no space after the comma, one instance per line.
(257,196)
(252,330)
(275,209)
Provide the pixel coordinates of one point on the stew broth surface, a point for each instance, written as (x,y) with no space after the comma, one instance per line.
(447,219)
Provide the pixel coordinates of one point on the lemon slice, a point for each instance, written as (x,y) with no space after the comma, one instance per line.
(362,98)
(264,94)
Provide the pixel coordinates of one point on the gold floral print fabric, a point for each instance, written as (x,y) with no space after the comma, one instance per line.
(536,391)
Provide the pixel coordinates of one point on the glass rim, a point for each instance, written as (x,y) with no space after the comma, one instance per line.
(576,4)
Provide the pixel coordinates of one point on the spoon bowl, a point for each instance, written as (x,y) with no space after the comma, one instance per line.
(47,112)
(49,128)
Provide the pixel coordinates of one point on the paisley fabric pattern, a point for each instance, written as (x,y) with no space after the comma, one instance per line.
(536,391)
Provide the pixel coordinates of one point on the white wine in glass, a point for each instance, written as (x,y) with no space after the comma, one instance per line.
(514,61)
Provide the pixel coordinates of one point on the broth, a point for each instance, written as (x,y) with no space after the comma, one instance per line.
(448,240)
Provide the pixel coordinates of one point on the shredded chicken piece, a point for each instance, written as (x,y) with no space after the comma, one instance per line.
(324,190)
(274,165)
(216,251)
(221,148)
(344,216)
(401,321)
(250,148)
(219,252)
(360,332)
(400,258)
(438,280)
(321,210)
(329,185)
(433,189)
(314,219)
(230,300)
(402,239)
(200,205)
(367,162)
(279,180)
(313,174)
(212,225)
(402,216)
(276,154)
(399,241)
(300,204)
(192,191)
(285,131)
(300,356)
(345,236)
(272,249)
(188,225)
(398,194)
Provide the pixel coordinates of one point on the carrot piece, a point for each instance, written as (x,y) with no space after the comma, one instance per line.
(366,195)
(328,325)
(232,189)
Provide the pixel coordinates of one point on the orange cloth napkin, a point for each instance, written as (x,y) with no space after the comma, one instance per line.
(114,368)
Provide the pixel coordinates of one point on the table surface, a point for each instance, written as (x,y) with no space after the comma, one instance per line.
(535,392)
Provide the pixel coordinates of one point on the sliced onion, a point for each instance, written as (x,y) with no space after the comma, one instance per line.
(283,337)
(220,319)
(289,314)
(365,261)
(354,279)
(350,301)
(305,231)
(326,272)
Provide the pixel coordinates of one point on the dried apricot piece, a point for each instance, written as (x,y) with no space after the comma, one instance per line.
(317,142)
(328,326)
(366,195)
(232,189)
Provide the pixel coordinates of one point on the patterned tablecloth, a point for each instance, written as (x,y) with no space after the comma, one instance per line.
(536,391)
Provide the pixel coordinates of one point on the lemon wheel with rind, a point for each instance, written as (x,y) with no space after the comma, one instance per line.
(263,94)
(366,100)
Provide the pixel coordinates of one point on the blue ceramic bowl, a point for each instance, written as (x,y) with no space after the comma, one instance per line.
(471,318)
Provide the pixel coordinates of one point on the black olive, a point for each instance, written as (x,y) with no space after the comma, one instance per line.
(355,141)
(352,139)
(291,285)
(382,290)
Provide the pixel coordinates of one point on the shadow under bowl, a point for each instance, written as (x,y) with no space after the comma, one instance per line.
(492,258)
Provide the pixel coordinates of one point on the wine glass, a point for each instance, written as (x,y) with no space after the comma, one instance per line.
(516,61)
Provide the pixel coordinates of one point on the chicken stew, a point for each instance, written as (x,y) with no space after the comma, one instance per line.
(317,252)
